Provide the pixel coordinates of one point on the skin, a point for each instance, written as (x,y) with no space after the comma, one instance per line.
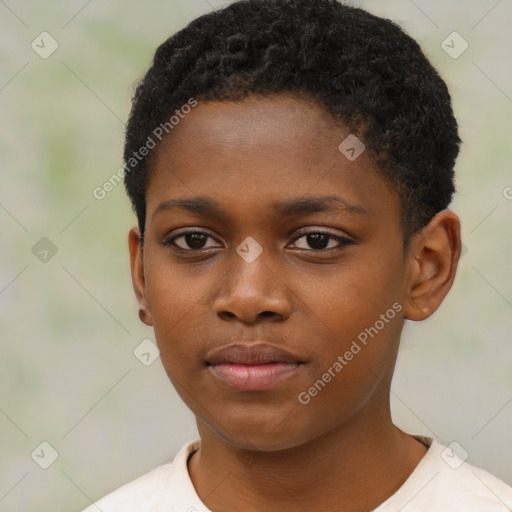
(265,451)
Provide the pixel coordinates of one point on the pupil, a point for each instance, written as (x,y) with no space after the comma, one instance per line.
(195,240)
(315,241)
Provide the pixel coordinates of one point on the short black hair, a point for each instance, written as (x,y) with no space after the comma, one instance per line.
(364,70)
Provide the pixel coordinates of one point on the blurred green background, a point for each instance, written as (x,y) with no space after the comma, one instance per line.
(69,322)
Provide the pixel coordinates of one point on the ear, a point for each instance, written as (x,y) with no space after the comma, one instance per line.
(433,256)
(138,279)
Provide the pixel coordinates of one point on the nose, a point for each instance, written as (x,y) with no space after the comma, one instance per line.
(250,290)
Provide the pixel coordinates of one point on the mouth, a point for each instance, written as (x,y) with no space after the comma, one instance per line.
(255,367)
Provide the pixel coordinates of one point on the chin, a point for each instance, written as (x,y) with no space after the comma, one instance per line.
(263,433)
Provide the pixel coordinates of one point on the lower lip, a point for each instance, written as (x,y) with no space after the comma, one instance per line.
(245,377)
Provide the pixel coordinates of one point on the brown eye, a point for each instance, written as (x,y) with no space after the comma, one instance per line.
(319,241)
(190,241)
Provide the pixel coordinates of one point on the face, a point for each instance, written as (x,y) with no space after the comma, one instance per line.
(292,244)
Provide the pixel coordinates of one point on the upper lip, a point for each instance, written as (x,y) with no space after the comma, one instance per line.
(250,353)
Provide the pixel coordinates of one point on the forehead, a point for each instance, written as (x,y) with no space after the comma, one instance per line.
(282,109)
(258,152)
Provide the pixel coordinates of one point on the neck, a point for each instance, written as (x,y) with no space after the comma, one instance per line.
(353,468)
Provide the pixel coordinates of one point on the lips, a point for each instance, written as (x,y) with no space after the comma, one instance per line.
(252,367)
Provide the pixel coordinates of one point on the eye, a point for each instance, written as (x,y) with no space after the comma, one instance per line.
(319,241)
(195,240)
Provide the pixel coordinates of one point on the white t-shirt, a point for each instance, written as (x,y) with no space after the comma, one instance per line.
(441,482)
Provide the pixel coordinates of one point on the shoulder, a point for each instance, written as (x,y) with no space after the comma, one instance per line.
(151,491)
(471,488)
(443,481)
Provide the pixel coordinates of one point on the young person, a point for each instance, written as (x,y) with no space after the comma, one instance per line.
(291,164)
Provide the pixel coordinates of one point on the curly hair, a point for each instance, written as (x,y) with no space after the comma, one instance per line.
(364,70)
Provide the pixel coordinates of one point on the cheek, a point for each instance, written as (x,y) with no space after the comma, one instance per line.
(352,372)
(176,304)
(357,318)
(354,297)
(173,292)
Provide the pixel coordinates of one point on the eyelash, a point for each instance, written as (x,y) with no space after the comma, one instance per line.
(342,241)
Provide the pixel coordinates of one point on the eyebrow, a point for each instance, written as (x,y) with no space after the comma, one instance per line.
(208,207)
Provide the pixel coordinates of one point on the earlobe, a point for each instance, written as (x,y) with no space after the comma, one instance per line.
(433,259)
(145,316)
(137,271)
